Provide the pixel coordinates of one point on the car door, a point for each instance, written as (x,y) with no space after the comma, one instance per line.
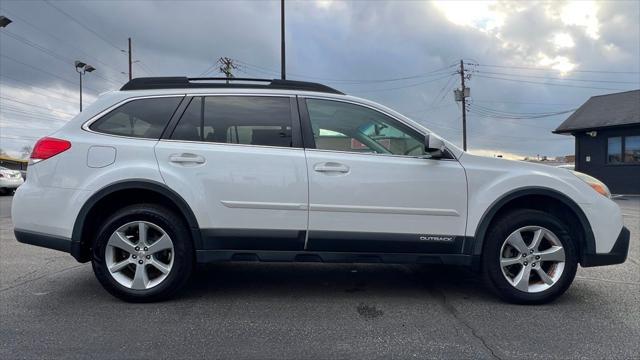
(371,189)
(238,161)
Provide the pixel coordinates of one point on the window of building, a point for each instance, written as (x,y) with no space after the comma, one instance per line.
(250,120)
(632,149)
(143,118)
(348,127)
(614,150)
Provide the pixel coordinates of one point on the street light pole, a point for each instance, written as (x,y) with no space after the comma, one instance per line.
(81,69)
(283,73)
(80,90)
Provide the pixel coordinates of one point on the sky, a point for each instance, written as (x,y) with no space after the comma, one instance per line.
(529,64)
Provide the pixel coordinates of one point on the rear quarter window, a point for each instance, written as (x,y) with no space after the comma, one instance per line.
(142,118)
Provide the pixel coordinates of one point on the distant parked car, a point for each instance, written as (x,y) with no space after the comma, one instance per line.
(567,166)
(9,180)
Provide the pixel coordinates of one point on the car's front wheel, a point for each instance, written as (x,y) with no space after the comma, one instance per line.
(529,257)
(143,253)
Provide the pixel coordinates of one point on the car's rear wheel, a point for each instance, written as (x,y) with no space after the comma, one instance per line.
(529,257)
(143,253)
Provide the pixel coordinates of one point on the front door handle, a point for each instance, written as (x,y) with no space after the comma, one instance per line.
(329,167)
(186,158)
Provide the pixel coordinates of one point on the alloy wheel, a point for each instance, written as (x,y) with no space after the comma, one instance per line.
(139,255)
(532,259)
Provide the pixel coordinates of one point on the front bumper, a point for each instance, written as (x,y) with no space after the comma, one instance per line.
(617,255)
(11,183)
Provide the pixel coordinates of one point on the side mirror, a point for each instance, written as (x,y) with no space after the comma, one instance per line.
(434,147)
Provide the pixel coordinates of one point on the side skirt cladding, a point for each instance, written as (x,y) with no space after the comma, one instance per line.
(327,246)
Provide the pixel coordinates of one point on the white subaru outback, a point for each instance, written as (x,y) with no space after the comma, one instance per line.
(169,172)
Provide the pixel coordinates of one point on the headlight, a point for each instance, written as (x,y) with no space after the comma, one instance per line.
(596,184)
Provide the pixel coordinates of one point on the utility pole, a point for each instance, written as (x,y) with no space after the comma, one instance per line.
(226,67)
(464,108)
(130,63)
(282,48)
(461,95)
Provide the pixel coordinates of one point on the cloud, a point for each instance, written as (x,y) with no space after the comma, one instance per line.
(330,41)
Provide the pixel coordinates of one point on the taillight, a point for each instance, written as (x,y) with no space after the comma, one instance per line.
(48,147)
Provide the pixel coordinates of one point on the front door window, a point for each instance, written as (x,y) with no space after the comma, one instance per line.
(343,126)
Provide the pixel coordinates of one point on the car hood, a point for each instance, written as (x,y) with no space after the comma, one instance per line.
(515,165)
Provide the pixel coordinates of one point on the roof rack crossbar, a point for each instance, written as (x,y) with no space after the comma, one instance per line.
(179,82)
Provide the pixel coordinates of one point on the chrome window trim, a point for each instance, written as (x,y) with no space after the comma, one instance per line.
(230,144)
(378,154)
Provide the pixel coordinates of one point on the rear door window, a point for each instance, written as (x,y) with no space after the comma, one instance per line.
(249,120)
(142,118)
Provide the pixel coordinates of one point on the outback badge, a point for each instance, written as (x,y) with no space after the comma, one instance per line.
(436,238)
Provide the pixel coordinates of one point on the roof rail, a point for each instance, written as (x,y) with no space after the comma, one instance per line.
(179,82)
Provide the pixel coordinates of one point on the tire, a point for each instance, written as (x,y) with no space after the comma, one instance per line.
(502,247)
(130,281)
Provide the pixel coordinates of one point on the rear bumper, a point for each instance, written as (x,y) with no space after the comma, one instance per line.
(48,241)
(617,255)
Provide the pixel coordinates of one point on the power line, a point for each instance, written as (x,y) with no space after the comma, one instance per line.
(547,83)
(34,105)
(522,103)
(83,25)
(47,92)
(540,69)
(23,20)
(498,111)
(515,116)
(144,67)
(443,92)
(476,135)
(49,52)
(510,121)
(32,113)
(406,86)
(28,115)
(44,71)
(557,78)
(358,81)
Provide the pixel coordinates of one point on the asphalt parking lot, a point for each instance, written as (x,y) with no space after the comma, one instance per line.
(52,307)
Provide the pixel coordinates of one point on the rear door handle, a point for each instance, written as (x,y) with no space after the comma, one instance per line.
(329,167)
(186,158)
